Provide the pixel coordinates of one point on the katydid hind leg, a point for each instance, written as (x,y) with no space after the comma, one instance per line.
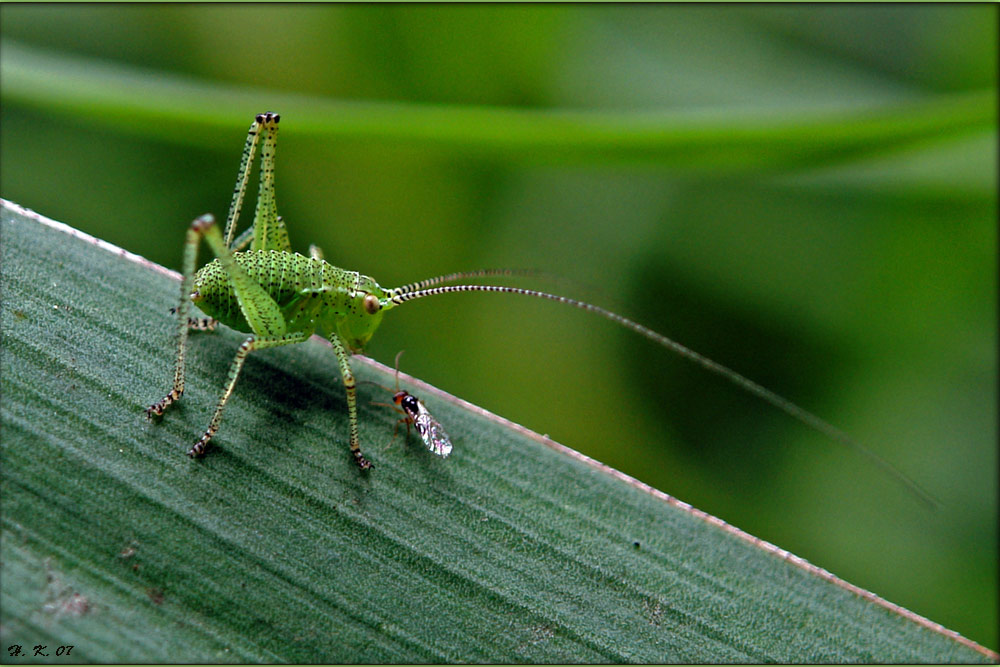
(243,240)
(260,310)
(269,229)
(246,162)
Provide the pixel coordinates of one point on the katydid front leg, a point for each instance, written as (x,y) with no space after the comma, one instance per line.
(249,345)
(343,359)
(183,321)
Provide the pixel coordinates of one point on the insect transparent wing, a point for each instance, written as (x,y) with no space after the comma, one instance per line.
(431,431)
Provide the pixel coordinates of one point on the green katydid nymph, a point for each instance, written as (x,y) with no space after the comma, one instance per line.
(279,298)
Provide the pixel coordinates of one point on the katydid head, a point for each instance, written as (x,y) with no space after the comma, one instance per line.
(367,303)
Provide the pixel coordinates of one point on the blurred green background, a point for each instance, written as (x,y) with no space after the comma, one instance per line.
(857,279)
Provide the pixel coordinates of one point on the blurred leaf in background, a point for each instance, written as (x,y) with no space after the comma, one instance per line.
(803,193)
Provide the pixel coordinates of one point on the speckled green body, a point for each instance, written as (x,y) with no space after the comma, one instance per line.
(312,295)
(275,296)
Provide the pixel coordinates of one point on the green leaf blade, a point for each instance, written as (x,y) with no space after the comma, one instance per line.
(274,548)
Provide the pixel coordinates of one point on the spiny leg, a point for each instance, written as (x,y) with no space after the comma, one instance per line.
(253,136)
(199,323)
(264,122)
(269,229)
(262,313)
(259,309)
(194,234)
(243,240)
(402,420)
(352,404)
(249,345)
(266,213)
(202,323)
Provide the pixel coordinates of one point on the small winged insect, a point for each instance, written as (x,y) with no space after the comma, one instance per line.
(430,429)
(417,414)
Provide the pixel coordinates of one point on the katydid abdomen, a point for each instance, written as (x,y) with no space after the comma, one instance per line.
(312,295)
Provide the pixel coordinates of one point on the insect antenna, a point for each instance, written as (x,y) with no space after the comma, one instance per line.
(591,290)
(409,293)
(465,275)
(379,384)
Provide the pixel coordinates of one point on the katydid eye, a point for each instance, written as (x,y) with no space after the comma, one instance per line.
(371,304)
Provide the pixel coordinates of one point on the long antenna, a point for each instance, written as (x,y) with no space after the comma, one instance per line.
(492,273)
(463,275)
(399,296)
